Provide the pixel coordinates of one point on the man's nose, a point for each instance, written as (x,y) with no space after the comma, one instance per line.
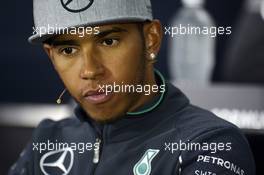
(91,67)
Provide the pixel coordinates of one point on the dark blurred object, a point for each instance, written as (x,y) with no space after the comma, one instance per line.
(244,60)
(225,13)
(13,141)
(256,141)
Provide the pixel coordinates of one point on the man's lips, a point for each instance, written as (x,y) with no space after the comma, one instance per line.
(96,96)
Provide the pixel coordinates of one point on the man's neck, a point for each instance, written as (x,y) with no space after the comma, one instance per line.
(143,97)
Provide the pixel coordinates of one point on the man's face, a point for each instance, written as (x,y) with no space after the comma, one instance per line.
(115,55)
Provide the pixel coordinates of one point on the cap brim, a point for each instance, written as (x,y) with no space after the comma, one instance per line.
(39,39)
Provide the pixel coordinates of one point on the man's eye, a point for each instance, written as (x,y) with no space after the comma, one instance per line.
(110,42)
(68,51)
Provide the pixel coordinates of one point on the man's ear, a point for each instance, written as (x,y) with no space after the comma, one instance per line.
(48,50)
(153,36)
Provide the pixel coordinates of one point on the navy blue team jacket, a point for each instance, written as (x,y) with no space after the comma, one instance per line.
(175,138)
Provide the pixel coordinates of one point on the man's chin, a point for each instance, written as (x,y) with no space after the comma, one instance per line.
(106,118)
(104,113)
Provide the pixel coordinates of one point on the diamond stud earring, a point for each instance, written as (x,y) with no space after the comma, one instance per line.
(152,56)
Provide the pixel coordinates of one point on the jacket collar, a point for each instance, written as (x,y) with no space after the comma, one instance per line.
(131,126)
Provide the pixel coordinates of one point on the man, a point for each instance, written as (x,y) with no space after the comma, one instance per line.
(129,119)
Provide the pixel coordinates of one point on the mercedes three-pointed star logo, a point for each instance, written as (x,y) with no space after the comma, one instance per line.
(67,5)
(59,163)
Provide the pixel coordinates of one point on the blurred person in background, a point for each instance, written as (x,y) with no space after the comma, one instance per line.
(244,61)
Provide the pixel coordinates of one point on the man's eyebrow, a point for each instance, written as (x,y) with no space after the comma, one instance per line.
(101,34)
(109,31)
(65,42)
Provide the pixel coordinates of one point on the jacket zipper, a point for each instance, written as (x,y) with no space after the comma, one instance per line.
(96,157)
(97,152)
